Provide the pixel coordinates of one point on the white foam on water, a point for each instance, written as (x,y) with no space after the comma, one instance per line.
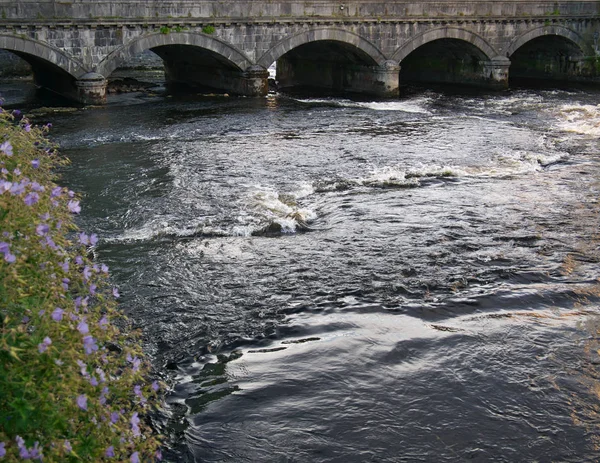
(582,119)
(268,207)
(417,105)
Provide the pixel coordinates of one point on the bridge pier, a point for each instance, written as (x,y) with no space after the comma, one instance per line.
(496,72)
(255,81)
(386,79)
(91,88)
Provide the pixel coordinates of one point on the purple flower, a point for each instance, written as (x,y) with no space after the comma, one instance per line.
(17,171)
(57,314)
(155,386)
(10,258)
(116,293)
(45,216)
(27,128)
(18,189)
(93,381)
(31,198)
(41,312)
(50,243)
(87,273)
(79,260)
(35,163)
(135,457)
(83,327)
(89,345)
(82,402)
(93,239)
(6,148)
(4,247)
(67,446)
(2,450)
(35,186)
(65,283)
(114,417)
(74,206)
(83,368)
(44,345)
(110,452)
(102,375)
(158,455)
(56,191)
(104,268)
(23,452)
(84,239)
(35,452)
(42,229)
(93,288)
(103,322)
(135,422)
(137,390)
(136,362)
(5,186)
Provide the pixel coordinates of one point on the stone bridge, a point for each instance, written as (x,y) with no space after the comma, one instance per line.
(366,47)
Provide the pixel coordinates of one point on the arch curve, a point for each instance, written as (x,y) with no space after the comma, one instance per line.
(445,33)
(44,52)
(196,39)
(314,35)
(541,31)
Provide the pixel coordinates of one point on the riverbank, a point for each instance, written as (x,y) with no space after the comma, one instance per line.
(74,384)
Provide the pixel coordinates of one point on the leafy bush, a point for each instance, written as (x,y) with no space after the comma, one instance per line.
(73,385)
(208,30)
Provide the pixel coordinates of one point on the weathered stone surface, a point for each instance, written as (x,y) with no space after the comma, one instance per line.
(82,36)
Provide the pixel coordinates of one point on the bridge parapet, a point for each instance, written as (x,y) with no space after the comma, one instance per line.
(250,9)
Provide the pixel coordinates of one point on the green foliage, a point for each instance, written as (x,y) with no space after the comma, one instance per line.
(165,30)
(208,30)
(73,385)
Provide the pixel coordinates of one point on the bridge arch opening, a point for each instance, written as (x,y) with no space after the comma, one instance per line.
(194,60)
(50,67)
(331,61)
(550,58)
(325,65)
(446,61)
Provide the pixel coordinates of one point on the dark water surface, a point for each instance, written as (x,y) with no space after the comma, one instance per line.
(327,280)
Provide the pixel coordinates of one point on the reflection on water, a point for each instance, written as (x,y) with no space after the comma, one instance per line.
(336,280)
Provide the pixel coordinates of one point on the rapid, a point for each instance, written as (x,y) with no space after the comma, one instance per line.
(341,280)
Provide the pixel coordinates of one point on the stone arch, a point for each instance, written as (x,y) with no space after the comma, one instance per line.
(42,51)
(445,33)
(553,29)
(314,35)
(228,52)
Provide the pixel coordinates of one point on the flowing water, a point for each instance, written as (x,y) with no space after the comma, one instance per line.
(330,280)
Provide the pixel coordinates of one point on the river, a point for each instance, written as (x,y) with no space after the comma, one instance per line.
(339,280)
